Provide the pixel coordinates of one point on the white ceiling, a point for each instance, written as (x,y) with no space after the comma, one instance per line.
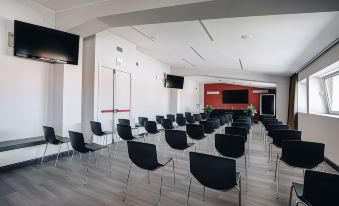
(209,80)
(61,5)
(281,44)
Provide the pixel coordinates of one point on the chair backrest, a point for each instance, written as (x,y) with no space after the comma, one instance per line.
(124,121)
(272,127)
(203,116)
(96,128)
(197,117)
(143,155)
(236,131)
(151,127)
(242,125)
(216,122)
(321,188)
(247,121)
(78,142)
(280,135)
(176,139)
(125,132)
(181,121)
(228,145)
(214,172)
(142,120)
(195,131)
(171,117)
(179,114)
(167,124)
(302,154)
(158,118)
(187,114)
(208,126)
(190,119)
(49,135)
(222,120)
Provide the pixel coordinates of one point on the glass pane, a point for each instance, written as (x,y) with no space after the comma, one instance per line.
(332,89)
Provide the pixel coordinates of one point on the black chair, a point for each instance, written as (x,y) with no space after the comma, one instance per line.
(187,114)
(181,121)
(159,119)
(222,120)
(180,115)
(197,117)
(203,116)
(167,124)
(214,172)
(125,133)
(319,188)
(51,138)
(142,120)
(124,122)
(231,146)
(237,131)
(208,127)
(144,156)
(190,119)
(151,128)
(177,140)
(247,121)
(216,122)
(280,135)
(300,154)
(195,132)
(171,117)
(79,145)
(242,125)
(97,131)
(272,127)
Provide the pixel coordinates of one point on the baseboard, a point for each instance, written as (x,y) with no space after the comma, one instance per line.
(332,164)
(35,161)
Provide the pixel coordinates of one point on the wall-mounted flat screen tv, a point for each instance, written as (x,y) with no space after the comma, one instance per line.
(173,81)
(45,44)
(235,96)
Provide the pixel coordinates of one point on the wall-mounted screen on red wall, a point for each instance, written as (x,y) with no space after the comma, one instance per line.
(235,96)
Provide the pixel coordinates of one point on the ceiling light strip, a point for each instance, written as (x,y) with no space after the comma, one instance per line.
(140,32)
(198,53)
(189,62)
(241,65)
(206,30)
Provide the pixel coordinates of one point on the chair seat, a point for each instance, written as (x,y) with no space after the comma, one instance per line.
(298,188)
(63,139)
(108,132)
(94,147)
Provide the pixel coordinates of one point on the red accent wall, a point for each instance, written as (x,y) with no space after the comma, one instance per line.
(216,99)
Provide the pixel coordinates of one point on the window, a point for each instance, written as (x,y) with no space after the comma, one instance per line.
(331,85)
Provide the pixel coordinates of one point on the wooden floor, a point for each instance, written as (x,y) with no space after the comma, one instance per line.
(36,185)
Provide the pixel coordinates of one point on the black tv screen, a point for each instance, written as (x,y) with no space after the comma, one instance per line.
(235,96)
(173,81)
(45,44)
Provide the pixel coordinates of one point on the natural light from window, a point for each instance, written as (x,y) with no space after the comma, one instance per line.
(332,92)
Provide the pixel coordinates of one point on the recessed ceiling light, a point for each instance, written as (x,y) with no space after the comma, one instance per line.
(246,36)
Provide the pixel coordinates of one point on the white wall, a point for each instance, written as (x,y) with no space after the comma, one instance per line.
(189,97)
(282,84)
(321,128)
(149,96)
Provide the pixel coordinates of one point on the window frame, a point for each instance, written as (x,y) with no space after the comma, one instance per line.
(329,106)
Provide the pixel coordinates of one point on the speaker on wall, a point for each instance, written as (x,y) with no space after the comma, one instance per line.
(267,104)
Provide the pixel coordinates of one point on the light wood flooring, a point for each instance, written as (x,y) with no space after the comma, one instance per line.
(45,186)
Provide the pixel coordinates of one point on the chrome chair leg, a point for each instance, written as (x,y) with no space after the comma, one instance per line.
(89,158)
(125,192)
(189,189)
(67,148)
(109,159)
(56,160)
(203,193)
(246,173)
(160,186)
(95,159)
(148,180)
(173,173)
(277,177)
(116,149)
(291,192)
(43,156)
(240,191)
(270,153)
(69,169)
